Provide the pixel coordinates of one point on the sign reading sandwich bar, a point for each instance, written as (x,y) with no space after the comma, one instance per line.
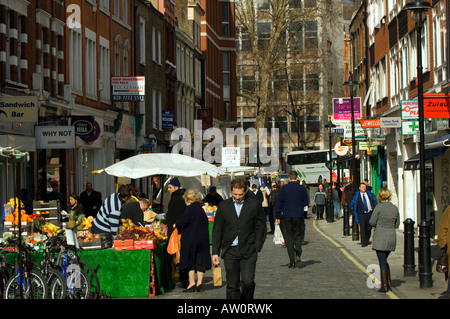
(54,137)
(18,109)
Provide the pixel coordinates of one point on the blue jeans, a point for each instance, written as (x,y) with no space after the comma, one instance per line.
(382,259)
(337,207)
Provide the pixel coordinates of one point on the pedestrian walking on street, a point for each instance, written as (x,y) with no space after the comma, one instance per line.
(336,201)
(194,254)
(385,218)
(175,209)
(289,214)
(320,198)
(362,205)
(239,233)
(443,240)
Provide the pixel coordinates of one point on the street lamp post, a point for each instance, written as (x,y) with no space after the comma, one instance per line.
(330,216)
(418,8)
(350,83)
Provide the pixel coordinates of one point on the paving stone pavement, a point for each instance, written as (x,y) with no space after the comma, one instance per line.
(333,267)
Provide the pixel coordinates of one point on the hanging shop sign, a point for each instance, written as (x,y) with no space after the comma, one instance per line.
(54,137)
(360,133)
(341,150)
(370,123)
(390,122)
(410,127)
(342,108)
(167,120)
(18,109)
(83,125)
(231,156)
(128,88)
(436,105)
(410,109)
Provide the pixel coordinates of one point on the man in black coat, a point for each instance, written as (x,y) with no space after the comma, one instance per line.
(175,209)
(91,200)
(176,205)
(238,235)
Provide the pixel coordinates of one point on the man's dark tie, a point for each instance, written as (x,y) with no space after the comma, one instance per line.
(366,208)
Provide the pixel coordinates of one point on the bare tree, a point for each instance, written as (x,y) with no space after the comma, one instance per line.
(276,54)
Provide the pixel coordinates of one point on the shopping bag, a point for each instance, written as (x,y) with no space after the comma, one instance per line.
(217,275)
(278,236)
(173,246)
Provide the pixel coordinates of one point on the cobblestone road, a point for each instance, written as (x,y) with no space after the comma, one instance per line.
(326,273)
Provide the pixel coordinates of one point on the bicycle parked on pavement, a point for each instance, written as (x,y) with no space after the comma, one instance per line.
(25,281)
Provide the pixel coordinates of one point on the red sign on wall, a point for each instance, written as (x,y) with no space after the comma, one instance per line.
(370,123)
(436,105)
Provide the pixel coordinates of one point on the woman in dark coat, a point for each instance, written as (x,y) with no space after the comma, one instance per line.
(195,254)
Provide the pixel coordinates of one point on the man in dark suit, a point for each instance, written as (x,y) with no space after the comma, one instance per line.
(363,205)
(91,200)
(289,214)
(238,235)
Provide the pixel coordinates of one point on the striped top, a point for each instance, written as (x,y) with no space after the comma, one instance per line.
(108,217)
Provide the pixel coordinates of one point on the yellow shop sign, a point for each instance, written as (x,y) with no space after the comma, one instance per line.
(18,109)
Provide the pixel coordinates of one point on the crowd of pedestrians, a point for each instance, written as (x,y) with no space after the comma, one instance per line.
(240,230)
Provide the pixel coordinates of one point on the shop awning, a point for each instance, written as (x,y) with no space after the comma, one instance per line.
(432,149)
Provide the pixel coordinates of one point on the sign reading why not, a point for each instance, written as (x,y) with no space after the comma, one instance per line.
(54,137)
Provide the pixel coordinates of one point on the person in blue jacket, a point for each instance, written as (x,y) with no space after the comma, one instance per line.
(362,206)
(289,214)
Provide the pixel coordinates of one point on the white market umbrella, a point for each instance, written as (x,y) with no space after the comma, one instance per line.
(149,164)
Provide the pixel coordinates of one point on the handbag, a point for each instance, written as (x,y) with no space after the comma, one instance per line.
(173,246)
(314,209)
(217,275)
(442,263)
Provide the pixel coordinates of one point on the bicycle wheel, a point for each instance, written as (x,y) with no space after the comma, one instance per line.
(78,283)
(33,284)
(93,278)
(4,276)
(57,286)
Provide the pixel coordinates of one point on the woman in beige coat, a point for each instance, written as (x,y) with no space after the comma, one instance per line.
(385,218)
(443,240)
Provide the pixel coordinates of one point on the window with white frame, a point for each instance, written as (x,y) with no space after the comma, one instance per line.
(125,11)
(141,40)
(126,50)
(394,76)
(90,63)
(154,109)
(440,48)
(117,45)
(153,44)
(404,70)
(104,5)
(116,8)
(160,110)
(105,71)
(75,60)
(159,48)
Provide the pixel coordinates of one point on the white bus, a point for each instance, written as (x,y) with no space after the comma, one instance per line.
(309,165)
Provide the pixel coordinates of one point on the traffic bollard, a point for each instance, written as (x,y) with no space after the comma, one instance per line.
(425,272)
(346,220)
(408,250)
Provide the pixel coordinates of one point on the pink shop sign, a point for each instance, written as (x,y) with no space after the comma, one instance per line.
(342,108)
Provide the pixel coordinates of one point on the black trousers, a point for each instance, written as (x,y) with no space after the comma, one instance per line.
(240,274)
(292,229)
(365,230)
